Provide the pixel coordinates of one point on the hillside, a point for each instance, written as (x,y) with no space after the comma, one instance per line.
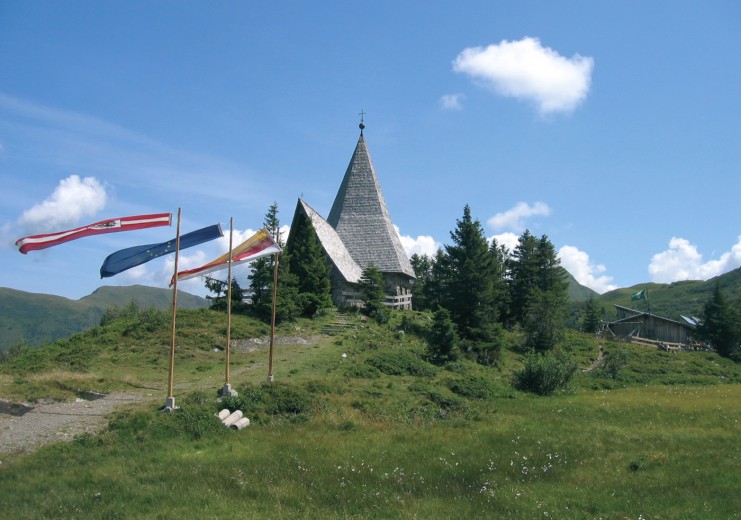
(36,319)
(358,424)
(675,299)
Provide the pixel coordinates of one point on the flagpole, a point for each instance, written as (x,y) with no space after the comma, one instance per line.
(227,389)
(272,322)
(170,401)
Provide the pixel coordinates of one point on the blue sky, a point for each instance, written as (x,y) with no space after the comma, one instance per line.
(612,127)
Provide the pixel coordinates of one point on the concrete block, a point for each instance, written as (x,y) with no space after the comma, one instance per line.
(223,414)
(234,417)
(242,423)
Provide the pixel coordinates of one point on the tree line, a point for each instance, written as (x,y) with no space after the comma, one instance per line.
(474,287)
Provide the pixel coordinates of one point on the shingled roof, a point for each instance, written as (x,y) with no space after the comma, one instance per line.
(332,244)
(361,219)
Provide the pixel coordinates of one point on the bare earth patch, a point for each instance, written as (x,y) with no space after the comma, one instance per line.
(26,427)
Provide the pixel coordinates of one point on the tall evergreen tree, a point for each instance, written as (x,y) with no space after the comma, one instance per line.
(522,275)
(499,254)
(590,318)
(469,293)
(720,325)
(422,265)
(308,263)
(221,289)
(263,273)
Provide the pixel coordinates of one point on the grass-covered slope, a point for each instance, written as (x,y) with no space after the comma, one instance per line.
(34,319)
(358,424)
(675,299)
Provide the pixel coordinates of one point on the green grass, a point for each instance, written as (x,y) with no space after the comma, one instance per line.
(361,426)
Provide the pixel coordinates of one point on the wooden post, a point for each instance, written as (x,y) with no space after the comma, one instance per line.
(227,389)
(170,401)
(272,323)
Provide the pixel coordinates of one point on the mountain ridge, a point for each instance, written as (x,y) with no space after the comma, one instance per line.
(21,312)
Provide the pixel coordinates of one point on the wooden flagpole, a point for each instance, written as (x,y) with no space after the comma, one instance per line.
(272,322)
(227,389)
(170,401)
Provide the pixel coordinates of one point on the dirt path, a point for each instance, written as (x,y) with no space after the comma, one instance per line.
(24,428)
(597,362)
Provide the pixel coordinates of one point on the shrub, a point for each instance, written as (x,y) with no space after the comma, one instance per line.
(614,362)
(544,373)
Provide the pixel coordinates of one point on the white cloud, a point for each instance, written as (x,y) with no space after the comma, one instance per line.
(514,218)
(508,239)
(72,199)
(452,101)
(422,245)
(586,273)
(525,69)
(682,261)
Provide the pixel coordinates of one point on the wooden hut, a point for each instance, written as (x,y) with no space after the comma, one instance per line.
(634,324)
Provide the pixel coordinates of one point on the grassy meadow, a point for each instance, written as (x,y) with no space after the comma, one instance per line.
(358,425)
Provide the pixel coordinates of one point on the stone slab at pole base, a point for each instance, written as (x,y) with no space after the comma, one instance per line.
(270,379)
(170,405)
(227,390)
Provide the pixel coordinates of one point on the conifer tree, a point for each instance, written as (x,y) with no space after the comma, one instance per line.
(373,295)
(308,263)
(443,344)
(523,271)
(720,325)
(263,273)
(469,289)
(422,266)
(590,320)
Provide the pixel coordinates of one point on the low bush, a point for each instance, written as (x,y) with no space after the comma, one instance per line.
(544,373)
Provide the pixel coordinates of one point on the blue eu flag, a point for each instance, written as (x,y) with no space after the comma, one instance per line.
(132,256)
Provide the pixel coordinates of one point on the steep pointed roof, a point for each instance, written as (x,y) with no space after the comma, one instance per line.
(332,244)
(361,218)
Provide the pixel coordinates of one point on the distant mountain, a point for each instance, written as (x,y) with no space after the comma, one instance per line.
(675,299)
(578,292)
(40,318)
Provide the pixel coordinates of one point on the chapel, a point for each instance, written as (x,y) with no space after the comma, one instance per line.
(359,232)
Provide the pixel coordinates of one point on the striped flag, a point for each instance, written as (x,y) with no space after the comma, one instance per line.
(36,242)
(258,245)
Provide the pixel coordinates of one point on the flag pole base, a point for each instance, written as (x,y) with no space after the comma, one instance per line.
(270,378)
(227,390)
(169,405)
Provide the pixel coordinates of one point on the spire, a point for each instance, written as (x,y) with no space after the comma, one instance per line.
(361,218)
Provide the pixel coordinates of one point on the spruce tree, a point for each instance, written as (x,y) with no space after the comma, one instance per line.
(590,319)
(263,273)
(422,266)
(720,326)
(373,295)
(469,288)
(523,271)
(443,344)
(308,263)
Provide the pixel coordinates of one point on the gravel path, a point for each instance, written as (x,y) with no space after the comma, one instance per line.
(24,428)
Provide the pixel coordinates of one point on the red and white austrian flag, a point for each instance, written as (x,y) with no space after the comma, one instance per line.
(36,242)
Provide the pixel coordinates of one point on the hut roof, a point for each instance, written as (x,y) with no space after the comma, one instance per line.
(361,218)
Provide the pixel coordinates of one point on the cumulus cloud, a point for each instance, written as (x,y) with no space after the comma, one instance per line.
(508,239)
(591,275)
(71,200)
(524,69)
(422,245)
(452,101)
(683,261)
(515,218)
